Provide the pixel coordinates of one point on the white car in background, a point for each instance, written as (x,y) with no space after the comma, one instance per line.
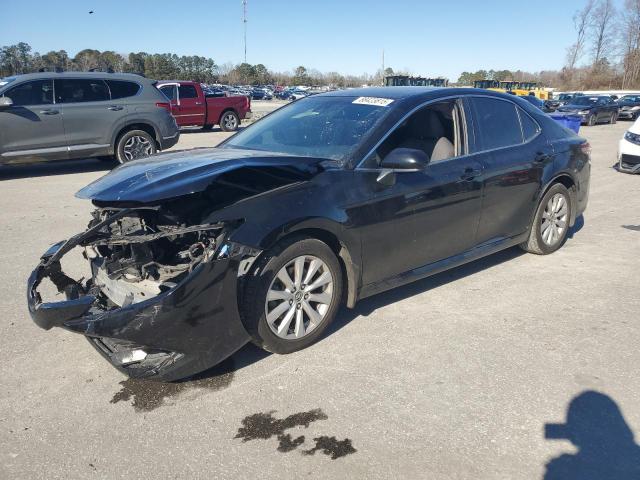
(629,150)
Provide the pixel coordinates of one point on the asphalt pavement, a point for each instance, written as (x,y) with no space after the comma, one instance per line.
(455,376)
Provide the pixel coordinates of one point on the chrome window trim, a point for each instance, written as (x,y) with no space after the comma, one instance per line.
(468,154)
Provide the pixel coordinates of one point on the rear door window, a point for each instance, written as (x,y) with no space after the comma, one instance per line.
(71,90)
(122,89)
(188,91)
(498,122)
(37,92)
(169,91)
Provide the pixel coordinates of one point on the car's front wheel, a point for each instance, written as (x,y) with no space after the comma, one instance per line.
(293,295)
(591,121)
(133,145)
(551,222)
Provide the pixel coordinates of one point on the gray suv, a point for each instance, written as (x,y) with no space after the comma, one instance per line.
(61,116)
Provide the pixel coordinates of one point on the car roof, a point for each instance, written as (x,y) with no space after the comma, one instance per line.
(101,75)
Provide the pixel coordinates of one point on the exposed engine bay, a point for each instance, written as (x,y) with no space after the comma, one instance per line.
(136,254)
(146,252)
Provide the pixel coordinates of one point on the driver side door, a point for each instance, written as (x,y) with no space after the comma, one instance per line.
(423,216)
(31,129)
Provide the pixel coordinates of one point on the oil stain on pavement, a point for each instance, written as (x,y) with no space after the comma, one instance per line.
(264,426)
(147,395)
(331,446)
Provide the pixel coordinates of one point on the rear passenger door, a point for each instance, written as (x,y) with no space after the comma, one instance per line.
(516,155)
(89,115)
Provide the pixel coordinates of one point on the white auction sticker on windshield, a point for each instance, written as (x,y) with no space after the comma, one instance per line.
(376,101)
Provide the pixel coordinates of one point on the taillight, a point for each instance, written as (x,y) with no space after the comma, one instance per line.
(165,105)
(585,148)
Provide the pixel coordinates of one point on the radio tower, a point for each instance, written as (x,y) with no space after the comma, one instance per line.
(244,21)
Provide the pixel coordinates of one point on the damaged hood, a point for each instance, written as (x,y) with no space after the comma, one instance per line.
(171,175)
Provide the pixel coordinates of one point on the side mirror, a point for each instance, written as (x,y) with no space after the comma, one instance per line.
(5,102)
(408,159)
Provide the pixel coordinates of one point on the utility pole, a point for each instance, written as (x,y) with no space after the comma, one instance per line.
(244,21)
(383,67)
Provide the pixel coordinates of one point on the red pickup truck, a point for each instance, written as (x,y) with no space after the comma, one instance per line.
(193,106)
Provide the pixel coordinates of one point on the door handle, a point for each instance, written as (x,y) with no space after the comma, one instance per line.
(115,108)
(49,112)
(198,103)
(542,157)
(470,173)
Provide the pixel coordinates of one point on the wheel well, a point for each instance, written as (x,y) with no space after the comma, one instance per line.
(145,127)
(229,109)
(342,254)
(569,183)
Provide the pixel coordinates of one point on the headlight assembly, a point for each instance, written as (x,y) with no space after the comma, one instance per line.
(632,137)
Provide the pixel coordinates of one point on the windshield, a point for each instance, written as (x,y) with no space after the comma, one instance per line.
(585,100)
(322,127)
(630,99)
(6,81)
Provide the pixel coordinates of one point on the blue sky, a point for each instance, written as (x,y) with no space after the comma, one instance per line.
(425,37)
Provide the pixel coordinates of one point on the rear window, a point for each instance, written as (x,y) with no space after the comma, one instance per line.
(188,91)
(72,90)
(498,123)
(122,89)
(169,91)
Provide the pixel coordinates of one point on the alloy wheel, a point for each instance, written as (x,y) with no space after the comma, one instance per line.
(137,147)
(554,219)
(299,297)
(230,122)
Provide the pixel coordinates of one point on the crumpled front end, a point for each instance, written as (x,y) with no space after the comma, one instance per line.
(162,298)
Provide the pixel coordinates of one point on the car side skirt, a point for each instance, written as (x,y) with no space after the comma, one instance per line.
(419,273)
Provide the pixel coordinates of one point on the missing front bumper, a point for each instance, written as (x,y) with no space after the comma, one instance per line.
(182,331)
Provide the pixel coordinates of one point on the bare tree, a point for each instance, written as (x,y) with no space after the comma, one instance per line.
(604,18)
(581,20)
(631,44)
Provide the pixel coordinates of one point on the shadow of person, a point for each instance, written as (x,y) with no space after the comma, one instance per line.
(605,443)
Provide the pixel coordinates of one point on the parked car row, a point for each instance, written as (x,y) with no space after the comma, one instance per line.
(597,108)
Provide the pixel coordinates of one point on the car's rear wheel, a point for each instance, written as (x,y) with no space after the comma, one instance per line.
(292,296)
(551,222)
(133,145)
(229,122)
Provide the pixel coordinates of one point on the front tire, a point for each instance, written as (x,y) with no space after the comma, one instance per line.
(229,121)
(551,222)
(135,144)
(592,120)
(292,296)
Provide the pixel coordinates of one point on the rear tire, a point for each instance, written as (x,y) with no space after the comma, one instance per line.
(133,145)
(272,311)
(229,121)
(551,222)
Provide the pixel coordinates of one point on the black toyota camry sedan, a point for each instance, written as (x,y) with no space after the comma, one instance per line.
(324,202)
